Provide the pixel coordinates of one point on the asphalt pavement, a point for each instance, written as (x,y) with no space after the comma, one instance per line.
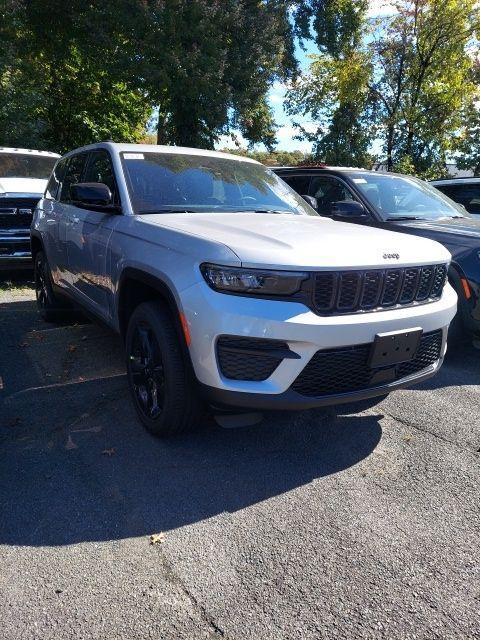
(323,524)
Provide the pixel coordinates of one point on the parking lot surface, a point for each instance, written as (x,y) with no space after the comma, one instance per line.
(320,524)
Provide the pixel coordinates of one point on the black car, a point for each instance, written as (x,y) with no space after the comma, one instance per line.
(405,204)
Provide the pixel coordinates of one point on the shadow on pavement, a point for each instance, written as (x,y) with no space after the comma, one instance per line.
(75,465)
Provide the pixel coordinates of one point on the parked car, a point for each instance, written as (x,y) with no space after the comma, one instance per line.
(226,285)
(406,204)
(23,178)
(465,191)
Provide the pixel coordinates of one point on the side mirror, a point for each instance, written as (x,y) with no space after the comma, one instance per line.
(91,193)
(311,201)
(348,209)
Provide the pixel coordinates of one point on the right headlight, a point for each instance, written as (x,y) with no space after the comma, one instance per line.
(252,281)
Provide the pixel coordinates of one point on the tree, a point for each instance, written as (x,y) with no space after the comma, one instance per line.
(210,64)
(468,142)
(334,93)
(75,72)
(422,78)
(64,76)
(335,96)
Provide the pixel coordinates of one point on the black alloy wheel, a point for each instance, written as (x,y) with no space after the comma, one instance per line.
(160,375)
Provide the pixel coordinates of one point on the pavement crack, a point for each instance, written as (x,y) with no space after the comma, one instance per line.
(175,580)
(423,429)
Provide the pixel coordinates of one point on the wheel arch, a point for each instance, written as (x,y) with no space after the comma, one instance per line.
(137,286)
(36,244)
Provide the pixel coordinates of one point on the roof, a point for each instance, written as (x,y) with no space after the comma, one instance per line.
(321,167)
(117,147)
(456,180)
(34,152)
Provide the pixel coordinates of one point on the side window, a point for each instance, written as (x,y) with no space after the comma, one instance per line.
(300,184)
(100,169)
(55,180)
(73,175)
(466,194)
(328,190)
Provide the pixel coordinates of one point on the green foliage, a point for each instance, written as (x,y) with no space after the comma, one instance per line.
(211,64)
(63,78)
(73,72)
(406,79)
(468,140)
(335,92)
(335,95)
(422,82)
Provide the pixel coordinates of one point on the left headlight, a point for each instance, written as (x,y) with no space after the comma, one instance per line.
(252,281)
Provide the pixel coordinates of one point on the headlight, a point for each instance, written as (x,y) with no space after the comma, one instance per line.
(253,281)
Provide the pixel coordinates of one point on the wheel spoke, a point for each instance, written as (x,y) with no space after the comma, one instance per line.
(147,372)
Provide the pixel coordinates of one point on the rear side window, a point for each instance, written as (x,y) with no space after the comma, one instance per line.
(466,194)
(73,175)
(56,179)
(100,169)
(300,184)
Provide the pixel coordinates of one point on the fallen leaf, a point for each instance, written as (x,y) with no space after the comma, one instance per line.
(23,345)
(15,421)
(71,348)
(157,538)
(109,452)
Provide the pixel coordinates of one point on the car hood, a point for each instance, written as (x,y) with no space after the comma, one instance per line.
(33,186)
(457,231)
(291,241)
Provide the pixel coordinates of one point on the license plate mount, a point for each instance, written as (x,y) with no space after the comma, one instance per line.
(394,347)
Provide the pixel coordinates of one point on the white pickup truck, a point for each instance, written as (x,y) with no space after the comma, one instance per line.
(23,178)
(227,286)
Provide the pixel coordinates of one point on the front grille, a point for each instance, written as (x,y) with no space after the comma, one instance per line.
(346,369)
(352,291)
(10,218)
(249,358)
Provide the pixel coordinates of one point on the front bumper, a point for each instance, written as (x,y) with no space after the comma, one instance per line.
(15,251)
(290,400)
(210,315)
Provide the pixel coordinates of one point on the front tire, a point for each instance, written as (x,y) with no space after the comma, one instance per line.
(159,376)
(50,307)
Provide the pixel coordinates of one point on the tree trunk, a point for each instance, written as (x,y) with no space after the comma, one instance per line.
(390,135)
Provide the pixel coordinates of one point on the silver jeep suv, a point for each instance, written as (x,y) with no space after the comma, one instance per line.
(226,285)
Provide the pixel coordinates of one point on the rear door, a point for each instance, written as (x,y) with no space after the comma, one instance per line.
(55,225)
(88,235)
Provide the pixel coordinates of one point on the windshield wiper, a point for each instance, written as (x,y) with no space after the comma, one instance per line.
(266,211)
(392,218)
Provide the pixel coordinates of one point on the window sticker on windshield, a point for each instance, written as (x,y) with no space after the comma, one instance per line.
(359,180)
(134,156)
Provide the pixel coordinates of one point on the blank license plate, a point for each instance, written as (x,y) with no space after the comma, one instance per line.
(394,347)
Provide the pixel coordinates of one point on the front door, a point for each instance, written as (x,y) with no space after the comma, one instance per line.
(88,236)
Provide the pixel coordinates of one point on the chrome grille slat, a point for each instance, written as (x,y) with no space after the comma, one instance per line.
(369,289)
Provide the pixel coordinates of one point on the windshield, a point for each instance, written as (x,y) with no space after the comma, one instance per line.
(23,165)
(176,182)
(404,197)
